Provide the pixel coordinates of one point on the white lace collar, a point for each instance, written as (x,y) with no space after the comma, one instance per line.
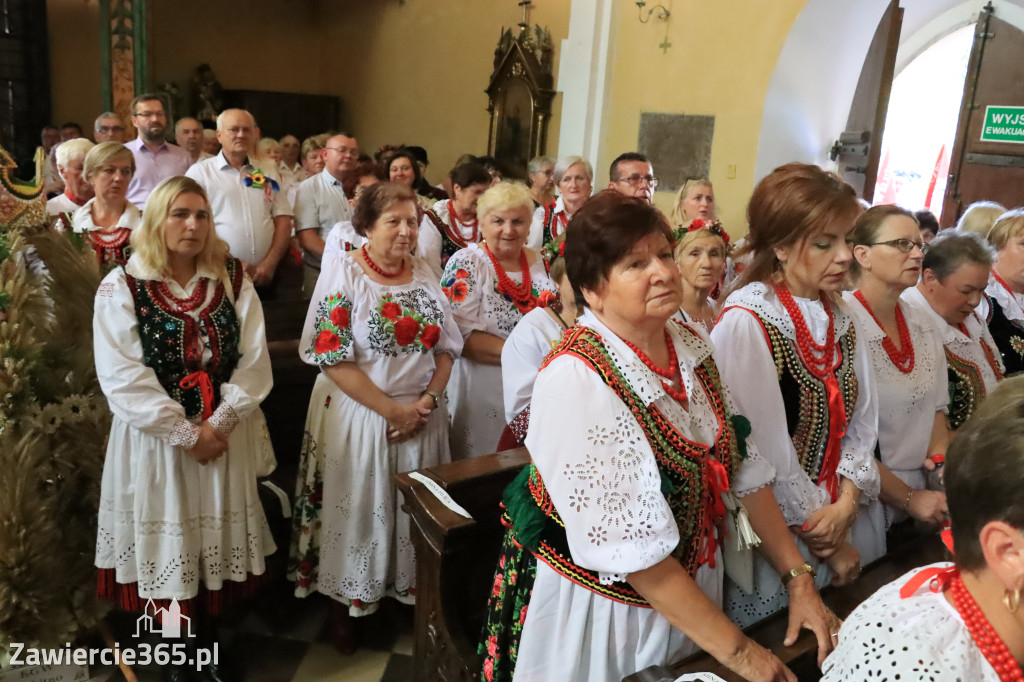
(951,335)
(136,269)
(759,298)
(1009,301)
(691,350)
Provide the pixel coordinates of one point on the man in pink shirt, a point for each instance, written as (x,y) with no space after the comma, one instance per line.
(156,159)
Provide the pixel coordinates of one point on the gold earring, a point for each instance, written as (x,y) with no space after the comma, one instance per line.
(777,272)
(1011,600)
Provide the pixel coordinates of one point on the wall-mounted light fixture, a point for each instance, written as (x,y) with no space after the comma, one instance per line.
(660,12)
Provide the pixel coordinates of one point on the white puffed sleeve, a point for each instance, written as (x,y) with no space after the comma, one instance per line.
(252,379)
(462,283)
(748,369)
(132,389)
(327,336)
(600,472)
(857,450)
(428,245)
(521,357)
(535,239)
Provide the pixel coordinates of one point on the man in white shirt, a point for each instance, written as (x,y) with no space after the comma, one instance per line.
(291,166)
(188,133)
(250,212)
(70,164)
(155,158)
(108,127)
(320,202)
(633,175)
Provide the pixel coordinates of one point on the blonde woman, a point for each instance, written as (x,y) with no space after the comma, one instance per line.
(106,221)
(182,360)
(695,199)
(1004,296)
(980,217)
(700,253)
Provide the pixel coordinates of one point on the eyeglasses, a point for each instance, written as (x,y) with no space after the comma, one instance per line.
(634,180)
(344,150)
(110,129)
(904,245)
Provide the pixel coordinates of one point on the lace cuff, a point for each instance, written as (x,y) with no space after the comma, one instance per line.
(184,434)
(798,498)
(864,475)
(224,419)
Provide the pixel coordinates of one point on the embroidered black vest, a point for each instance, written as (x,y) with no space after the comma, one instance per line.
(169,337)
(1008,336)
(681,462)
(804,395)
(550,220)
(966,389)
(448,245)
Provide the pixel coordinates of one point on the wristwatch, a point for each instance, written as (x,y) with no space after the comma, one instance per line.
(435,396)
(799,570)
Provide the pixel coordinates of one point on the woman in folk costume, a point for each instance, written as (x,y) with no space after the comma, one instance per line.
(106,221)
(574,178)
(955,272)
(908,368)
(960,621)
(453,224)
(182,358)
(786,343)
(613,559)
(383,335)
(1003,304)
(491,286)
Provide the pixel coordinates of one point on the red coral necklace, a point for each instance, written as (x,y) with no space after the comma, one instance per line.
(378,269)
(984,635)
(818,358)
(672,373)
(521,293)
(183,304)
(903,357)
(456,233)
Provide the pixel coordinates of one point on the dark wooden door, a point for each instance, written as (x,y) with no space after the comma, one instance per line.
(860,146)
(981,170)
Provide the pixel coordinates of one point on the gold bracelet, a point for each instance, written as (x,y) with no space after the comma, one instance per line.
(798,571)
(906,502)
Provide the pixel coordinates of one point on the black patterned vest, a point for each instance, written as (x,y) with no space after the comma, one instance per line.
(1008,336)
(685,469)
(550,220)
(170,338)
(804,396)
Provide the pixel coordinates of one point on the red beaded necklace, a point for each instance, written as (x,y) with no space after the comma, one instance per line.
(183,304)
(984,635)
(903,358)
(521,293)
(988,352)
(672,373)
(378,269)
(818,358)
(456,233)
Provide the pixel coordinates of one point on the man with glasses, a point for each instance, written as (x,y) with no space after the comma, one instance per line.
(108,127)
(155,158)
(320,202)
(632,174)
(250,212)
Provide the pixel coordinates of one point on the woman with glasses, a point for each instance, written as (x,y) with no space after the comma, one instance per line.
(1001,306)
(542,181)
(574,177)
(953,280)
(786,342)
(908,369)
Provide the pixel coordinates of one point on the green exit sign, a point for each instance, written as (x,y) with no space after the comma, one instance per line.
(1003,124)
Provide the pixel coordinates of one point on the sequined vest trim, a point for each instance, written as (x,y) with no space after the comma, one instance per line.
(966,389)
(681,462)
(804,396)
(169,337)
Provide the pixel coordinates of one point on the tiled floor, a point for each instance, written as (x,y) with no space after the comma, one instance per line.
(293,648)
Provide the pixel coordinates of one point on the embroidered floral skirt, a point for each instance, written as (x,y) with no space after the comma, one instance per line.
(506,610)
(350,538)
(171,528)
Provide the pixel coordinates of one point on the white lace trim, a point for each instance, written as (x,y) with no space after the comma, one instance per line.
(184,434)
(761,299)
(1009,302)
(863,473)
(224,419)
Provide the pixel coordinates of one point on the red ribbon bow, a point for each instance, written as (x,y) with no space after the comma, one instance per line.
(836,430)
(717,481)
(202,380)
(938,578)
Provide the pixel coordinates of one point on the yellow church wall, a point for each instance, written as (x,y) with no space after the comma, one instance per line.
(720,63)
(415,73)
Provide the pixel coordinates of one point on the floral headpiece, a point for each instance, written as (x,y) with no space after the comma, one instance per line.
(712,226)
